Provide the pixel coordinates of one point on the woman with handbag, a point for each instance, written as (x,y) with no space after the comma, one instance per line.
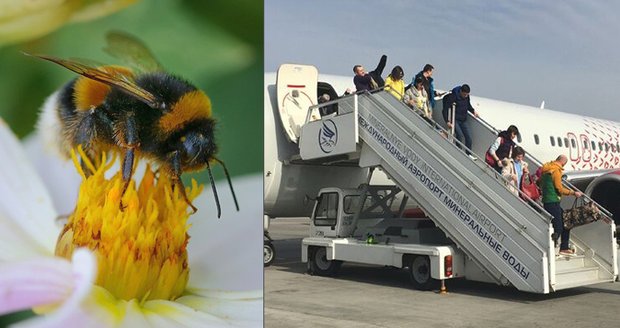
(513,169)
(501,148)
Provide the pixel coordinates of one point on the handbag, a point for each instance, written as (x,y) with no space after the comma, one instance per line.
(529,189)
(490,160)
(580,215)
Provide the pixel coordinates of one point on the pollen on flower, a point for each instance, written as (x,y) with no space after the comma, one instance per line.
(142,248)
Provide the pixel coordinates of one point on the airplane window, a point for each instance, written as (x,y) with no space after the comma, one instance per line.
(600,146)
(559,142)
(613,148)
(618,147)
(552,141)
(566,142)
(536,139)
(572,142)
(585,144)
(606,146)
(593,145)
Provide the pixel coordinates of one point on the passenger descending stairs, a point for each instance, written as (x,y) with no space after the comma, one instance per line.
(509,239)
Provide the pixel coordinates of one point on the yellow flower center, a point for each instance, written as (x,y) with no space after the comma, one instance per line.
(141,249)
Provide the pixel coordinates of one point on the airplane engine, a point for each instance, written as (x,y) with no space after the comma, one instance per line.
(605,190)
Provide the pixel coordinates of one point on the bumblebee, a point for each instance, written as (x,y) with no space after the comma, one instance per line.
(140,111)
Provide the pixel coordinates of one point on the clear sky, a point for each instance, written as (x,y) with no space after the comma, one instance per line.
(563,52)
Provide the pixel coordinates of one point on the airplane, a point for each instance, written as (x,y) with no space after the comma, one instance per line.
(592,145)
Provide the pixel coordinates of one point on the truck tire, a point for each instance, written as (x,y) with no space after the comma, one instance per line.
(269,253)
(420,273)
(318,264)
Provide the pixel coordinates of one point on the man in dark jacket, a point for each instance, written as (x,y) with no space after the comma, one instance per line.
(364,81)
(460,99)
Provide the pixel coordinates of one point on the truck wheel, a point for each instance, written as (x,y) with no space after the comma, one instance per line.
(320,265)
(269,253)
(420,273)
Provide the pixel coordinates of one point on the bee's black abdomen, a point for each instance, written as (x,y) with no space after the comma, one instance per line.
(67,109)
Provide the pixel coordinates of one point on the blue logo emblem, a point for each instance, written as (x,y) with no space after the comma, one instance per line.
(328,136)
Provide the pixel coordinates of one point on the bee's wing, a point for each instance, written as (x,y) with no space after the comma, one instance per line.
(131,51)
(112,78)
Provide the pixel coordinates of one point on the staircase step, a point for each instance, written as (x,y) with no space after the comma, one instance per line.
(577,277)
(573,284)
(563,263)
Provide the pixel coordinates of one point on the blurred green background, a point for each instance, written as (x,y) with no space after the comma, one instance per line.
(216,45)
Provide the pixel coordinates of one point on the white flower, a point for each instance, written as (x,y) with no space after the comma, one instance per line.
(23,20)
(225,282)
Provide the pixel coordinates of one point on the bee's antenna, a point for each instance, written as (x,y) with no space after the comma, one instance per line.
(229,182)
(217,199)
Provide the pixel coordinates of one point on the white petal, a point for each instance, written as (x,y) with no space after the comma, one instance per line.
(27,215)
(36,282)
(134,316)
(58,174)
(75,311)
(226,253)
(192,311)
(243,308)
(171,314)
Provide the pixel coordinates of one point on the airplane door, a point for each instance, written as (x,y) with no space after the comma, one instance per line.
(296,91)
(573,147)
(586,151)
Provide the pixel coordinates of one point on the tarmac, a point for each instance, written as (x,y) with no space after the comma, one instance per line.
(371,296)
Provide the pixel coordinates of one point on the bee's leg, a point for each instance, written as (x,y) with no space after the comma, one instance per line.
(129,142)
(85,135)
(176,179)
(85,168)
(127,170)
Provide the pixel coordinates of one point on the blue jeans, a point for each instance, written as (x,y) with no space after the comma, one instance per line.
(558,223)
(461,130)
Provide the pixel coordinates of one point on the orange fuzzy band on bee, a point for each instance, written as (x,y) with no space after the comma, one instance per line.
(90,93)
(193,105)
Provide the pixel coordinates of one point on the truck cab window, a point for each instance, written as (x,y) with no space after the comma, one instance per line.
(350,203)
(326,209)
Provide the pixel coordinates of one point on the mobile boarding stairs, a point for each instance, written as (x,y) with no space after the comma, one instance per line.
(509,239)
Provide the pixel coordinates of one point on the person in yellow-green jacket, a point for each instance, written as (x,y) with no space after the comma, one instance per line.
(395,84)
(552,191)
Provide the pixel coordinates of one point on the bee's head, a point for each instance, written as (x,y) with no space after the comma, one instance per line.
(196,147)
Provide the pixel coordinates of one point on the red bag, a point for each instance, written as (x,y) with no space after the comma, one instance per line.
(529,189)
(490,160)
